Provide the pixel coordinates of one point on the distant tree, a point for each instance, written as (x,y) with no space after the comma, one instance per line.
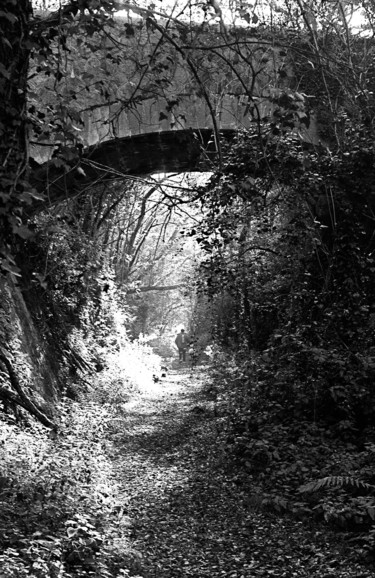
(143,244)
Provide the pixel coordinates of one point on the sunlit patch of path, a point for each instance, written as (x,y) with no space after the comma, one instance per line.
(190,518)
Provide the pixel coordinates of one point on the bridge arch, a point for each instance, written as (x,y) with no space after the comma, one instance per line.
(139,155)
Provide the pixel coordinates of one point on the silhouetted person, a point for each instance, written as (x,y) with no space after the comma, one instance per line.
(182,343)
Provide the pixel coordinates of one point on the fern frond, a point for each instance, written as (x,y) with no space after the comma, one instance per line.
(344,482)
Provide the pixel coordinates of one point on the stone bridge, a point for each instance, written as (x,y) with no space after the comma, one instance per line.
(166,112)
(174,151)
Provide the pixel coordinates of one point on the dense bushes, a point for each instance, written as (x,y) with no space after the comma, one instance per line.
(292,304)
(289,269)
(284,460)
(62,511)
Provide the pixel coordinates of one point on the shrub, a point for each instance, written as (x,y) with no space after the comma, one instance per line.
(61,514)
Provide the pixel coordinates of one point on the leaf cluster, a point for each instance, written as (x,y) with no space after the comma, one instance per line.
(61,514)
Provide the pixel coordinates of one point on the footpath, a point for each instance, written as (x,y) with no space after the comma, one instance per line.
(189,515)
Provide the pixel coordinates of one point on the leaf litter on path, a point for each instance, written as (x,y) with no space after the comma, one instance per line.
(190,519)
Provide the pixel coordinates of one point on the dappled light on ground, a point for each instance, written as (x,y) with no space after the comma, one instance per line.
(192,515)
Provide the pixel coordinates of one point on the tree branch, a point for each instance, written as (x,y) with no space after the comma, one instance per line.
(200,84)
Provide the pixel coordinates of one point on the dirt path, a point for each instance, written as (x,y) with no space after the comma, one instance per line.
(189,516)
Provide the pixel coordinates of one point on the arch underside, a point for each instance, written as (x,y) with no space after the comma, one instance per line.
(140,155)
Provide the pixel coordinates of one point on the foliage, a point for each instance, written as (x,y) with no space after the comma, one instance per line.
(288,239)
(70,293)
(294,466)
(15,192)
(63,513)
(151,259)
(287,281)
(337,482)
(289,267)
(193,516)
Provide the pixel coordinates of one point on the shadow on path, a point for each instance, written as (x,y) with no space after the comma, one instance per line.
(190,518)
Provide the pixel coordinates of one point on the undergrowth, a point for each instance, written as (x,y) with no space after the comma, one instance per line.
(318,471)
(63,514)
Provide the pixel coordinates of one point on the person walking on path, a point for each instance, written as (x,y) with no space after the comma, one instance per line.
(182,343)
